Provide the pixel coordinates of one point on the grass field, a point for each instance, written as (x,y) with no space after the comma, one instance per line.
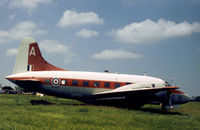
(31,112)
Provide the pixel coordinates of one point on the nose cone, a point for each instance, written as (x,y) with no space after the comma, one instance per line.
(186,98)
(180,98)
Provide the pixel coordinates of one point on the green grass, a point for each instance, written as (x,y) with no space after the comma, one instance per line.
(18,112)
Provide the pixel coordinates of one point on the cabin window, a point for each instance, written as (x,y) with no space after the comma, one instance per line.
(96,84)
(85,83)
(74,82)
(117,85)
(64,82)
(153,85)
(107,84)
(127,83)
(47,81)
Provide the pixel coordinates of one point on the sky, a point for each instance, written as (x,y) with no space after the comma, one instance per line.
(157,37)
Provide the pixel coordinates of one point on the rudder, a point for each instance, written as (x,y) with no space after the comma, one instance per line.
(29,58)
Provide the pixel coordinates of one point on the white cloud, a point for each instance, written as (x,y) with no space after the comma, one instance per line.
(71,18)
(149,31)
(68,57)
(53,46)
(11,52)
(40,32)
(4,36)
(85,33)
(116,54)
(129,2)
(23,29)
(12,16)
(2,2)
(30,5)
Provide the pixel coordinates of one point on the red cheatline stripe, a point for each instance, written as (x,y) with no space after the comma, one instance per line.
(69,82)
(176,91)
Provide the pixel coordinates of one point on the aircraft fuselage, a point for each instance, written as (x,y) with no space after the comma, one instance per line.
(78,84)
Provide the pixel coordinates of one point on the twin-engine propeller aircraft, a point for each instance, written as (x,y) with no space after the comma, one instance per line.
(33,73)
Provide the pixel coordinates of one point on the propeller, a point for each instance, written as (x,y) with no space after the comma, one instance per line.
(172,80)
(170,101)
(167,103)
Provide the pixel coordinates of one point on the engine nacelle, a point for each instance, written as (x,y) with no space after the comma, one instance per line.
(177,98)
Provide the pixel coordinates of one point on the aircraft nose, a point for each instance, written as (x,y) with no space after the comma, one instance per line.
(180,98)
(186,98)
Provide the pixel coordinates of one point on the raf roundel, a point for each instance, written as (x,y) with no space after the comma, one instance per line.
(55,81)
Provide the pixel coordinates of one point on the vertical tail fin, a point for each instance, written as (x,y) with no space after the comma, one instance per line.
(29,58)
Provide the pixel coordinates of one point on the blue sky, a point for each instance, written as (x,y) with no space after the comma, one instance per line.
(159,37)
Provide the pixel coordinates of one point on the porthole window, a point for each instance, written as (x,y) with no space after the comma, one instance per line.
(74,82)
(107,84)
(64,82)
(96,84)
(85,83)
(47,81)
(117,85)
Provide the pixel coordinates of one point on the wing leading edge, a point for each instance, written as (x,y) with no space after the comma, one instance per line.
(135,88)
(133,96)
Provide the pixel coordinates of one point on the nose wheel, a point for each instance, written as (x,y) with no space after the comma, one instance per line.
(167,102)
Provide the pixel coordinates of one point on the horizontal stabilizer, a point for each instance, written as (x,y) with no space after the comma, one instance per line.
(30,82)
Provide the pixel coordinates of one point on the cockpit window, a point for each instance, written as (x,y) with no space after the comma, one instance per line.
(117,85)
(167,83)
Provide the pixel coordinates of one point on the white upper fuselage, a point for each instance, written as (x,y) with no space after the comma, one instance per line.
(92,76)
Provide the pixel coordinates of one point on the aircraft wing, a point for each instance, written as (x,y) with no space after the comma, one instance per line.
(136,88)
(132,94)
